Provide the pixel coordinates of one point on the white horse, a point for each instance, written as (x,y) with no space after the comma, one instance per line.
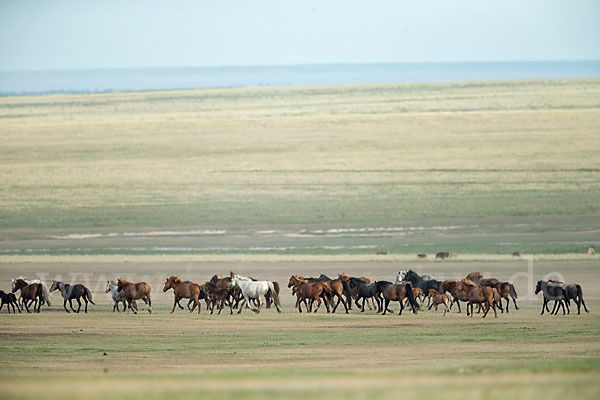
(29,282)
(117,296)
(254,290)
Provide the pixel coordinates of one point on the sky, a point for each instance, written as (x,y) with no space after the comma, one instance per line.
(63,34)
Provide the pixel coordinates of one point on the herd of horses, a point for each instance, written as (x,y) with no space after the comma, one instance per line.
(409,290)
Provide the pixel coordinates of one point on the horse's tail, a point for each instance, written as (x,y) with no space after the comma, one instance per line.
(274,294)
(276,286)
(346,290)
(46,294)
(411,298)
(89,295)
(496,295)
(512,291)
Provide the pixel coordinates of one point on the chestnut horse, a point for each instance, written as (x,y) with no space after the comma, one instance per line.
(438,299)
(35,292)
(133,292)
(183,290)
(457,290)
(481,295)
(305,290)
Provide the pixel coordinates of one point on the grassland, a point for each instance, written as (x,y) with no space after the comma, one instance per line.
(291,355)
(509,164)
(273,181)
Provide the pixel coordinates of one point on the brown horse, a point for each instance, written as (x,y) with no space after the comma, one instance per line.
(457,290)
(504,290)
(34,292)
(475,277)
(133,292)
(438,299)
(308,291)
(183,290)
(392,292)
(481,295)
(217,296)
(442,255)
(337,288)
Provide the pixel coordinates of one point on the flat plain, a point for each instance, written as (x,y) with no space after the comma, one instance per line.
(270,182)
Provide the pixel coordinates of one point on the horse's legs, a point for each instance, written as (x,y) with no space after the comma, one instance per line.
(116,305)
(584,307)
(241,306)
(71,304)
(86,303)
(318,299)
(299,303)
(543,306)
(356,301)
(345,306)
(401,306)
(174,304)
(385,306)
(79,303)
(65,305)
(363,304)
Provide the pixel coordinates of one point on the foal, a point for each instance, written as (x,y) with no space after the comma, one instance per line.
(10,300)
(438,299)
(69,293)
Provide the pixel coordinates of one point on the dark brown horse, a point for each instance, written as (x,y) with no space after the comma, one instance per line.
(442,254)
(485,295)
(308,291)
(504,290)
(10,300)
(354,291)
(35,292)
(183,290)
(218,297)
(133,292)
(392,292)
(573,292)
(552,291)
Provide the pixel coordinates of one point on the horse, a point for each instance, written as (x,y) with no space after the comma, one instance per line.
(397,293)
(117,296)
(591,251)
(29,282)
(217,296)
(133,292)
(353,291)
(481,295)
(234,294)
(573,292)
(364,291)
(10,300)
(441,255)
(35,292)
(439,298)
(268,299)
(254,290)
(70,292)
(474,277)
(552,291)
(504,290)
(516,253)
(453,255)
(313,291)
(421,281)
(421,255)
(337,288)
(183,290)
(457,290)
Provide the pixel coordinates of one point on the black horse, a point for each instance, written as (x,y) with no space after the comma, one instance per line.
(573,292)
(365,291)
(395,292)
(10,300)
(552,291)
(70,292)
(421,282)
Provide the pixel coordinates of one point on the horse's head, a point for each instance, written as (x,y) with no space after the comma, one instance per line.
(293,280)
(122,284)
(167,285)
(109,286)
(18,284)
(344,276)
(55,286)
(538,287)
(234,280)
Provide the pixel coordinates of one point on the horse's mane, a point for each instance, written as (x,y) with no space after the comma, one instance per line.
(468,282)
(124,282)
(175,279)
